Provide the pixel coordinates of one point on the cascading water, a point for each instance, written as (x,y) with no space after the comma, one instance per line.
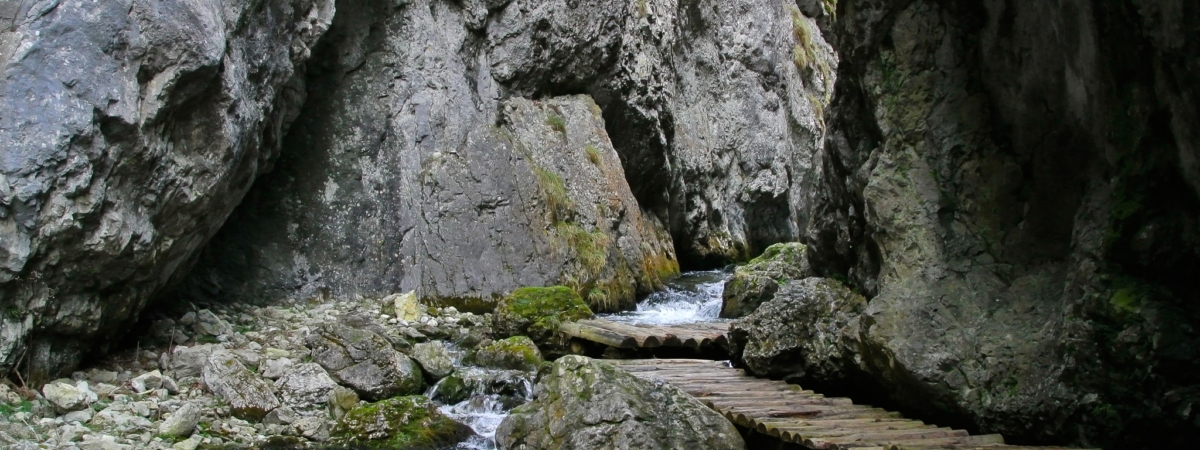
(690,298)
(481,398)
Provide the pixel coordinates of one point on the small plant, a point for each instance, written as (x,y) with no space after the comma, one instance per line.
(24,406)
(590,247)
(804,52)
(555,190)
(642,9)
(556,122)
(593,154)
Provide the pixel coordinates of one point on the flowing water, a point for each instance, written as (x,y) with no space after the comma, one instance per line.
(691,297)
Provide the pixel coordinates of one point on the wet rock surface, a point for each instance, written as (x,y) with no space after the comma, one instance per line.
(401,422)
(586,404)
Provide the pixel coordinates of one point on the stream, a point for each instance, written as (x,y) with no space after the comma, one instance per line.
(689,298)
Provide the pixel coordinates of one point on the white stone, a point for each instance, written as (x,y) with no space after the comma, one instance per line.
(147,381)
(65,397)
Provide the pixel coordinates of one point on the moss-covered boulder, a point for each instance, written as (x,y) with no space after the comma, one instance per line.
(757,281)
(537,312)
(516,353)
(410,423)
(582,403)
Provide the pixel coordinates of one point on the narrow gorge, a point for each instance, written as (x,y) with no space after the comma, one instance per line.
(364,223)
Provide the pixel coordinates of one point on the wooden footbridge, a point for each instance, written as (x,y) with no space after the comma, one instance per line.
(774,408)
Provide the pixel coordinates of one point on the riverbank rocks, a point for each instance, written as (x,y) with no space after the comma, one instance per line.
(249,397)
(182,422)
(65,397)
(515,353)
(757,281)
(585,404)
(410,423)
(364,361)
(809,331)
(537,312)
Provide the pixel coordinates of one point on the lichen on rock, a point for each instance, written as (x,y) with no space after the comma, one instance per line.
(537,312)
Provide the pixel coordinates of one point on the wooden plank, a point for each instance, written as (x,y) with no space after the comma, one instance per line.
(597,335)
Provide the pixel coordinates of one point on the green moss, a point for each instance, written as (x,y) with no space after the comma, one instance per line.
(411,423)
(8,410)
(555,190)
(593,154)
(784,251)
(830,7)
(557,122)
(451,390)
(537,312)
(516,352)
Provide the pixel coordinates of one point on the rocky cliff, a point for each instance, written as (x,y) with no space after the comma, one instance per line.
(428,145)
(1013,185)
(130,130)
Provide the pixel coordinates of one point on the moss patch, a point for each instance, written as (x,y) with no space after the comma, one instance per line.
(557,200)
(805,50)
(516,353)
(537,312)
(556,122)
(593,154)
(590,247)
(410,422)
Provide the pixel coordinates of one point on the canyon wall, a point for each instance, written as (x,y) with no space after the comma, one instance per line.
(1013,186)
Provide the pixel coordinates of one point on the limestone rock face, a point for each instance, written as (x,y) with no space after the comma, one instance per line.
(420,168)
(1013,185)
(130,131)
(585,404)
(757,281)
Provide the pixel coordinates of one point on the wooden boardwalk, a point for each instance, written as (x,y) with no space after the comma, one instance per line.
(793,415)
(627,336)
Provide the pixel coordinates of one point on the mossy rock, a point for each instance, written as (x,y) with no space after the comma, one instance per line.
(537,312)
(410,423)
(452,389)
(516,353)
(757,281)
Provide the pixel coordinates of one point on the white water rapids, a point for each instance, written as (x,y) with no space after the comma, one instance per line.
(691,297)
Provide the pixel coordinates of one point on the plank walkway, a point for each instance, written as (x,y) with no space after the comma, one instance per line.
(623,335)
(794,415)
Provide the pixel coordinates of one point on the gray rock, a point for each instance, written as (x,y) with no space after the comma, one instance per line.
(275,368)
(587,404)
(313,428)
(189,361)
(433,358)
(757,281)
(65,397)
(81,416)
(808,332)
(117,421)
(207,323)
(120,164)
(306,387)
(247,395)
(282,415)
(182,422)
(365,362)
(147,381)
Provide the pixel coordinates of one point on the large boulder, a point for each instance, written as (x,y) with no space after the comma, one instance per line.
(410,423)
(306,387)
(808,332)
(130,130)
(248,396)
(537,312)
(757,281)
(586,404)
(364,361)
(434,359)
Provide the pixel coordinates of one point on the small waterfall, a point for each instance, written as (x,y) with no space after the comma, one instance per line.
(692,297)
(481,399)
